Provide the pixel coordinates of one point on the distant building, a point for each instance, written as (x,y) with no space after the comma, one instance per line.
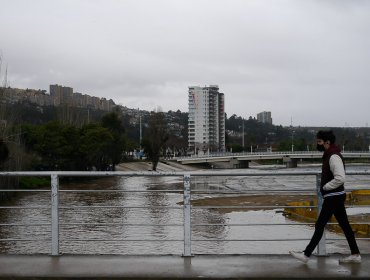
(206,122)
(59,96)
(264,117)
(65,96)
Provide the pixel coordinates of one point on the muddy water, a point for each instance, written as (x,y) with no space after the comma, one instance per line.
(147,230)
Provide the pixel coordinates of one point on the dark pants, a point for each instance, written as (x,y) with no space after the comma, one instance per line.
(333,205)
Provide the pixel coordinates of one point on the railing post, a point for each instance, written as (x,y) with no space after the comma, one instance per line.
(187,217)
(321,247)
(54,215)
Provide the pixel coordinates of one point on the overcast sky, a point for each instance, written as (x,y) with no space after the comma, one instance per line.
(306,61)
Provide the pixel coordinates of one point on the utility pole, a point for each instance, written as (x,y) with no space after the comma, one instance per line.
(140,129)
(243,133)
(291,126)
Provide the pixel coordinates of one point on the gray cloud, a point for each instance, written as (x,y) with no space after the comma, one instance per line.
(301,60)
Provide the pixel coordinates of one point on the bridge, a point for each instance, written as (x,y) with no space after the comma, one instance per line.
(241,160)
(178,265)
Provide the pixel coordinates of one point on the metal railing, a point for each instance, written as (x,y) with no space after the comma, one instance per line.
(269,154)
(314,152)
(187,206)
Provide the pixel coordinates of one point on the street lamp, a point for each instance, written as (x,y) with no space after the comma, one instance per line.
(140,129)
(243,133)
(291,127)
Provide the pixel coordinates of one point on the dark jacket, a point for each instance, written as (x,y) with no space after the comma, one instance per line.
(326,174)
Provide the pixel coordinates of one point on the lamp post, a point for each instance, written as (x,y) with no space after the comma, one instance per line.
(243,133)
(291,127)
(141,131)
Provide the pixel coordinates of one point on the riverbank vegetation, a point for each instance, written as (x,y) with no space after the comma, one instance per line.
(58,146)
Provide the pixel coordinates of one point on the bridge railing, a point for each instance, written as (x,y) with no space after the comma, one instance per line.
(230,154)
(188,207)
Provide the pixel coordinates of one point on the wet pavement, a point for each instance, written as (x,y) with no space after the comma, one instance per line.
(177,267)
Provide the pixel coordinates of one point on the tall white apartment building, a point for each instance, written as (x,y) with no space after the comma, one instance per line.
(206,124)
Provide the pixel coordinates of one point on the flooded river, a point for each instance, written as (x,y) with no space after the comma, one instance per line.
(143,215)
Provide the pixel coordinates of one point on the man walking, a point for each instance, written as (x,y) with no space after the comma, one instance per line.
(332,190)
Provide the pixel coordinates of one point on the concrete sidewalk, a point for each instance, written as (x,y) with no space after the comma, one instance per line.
(177,267)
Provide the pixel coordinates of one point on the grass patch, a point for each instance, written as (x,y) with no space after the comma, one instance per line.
(33,182)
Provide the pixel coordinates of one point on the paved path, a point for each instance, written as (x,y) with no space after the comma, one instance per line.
(177,267)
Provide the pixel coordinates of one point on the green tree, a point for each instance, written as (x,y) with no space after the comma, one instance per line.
(95,145)
(57,144)
(4,152)
(285,145)
(155,138)
(236,148)
(114,123)
(65,147)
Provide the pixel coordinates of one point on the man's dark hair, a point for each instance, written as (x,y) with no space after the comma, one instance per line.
(326,135)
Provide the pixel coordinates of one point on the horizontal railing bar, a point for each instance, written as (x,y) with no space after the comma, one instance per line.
(264,190)
(24,240)
(174,207)
(120,224)
(25,225)
(269,224)
(91,239)
(214,192)
(122,240)
(267,206)
(82,191)
(25,207)
(173,240)
(263,224)
(247,240)
(150,225)
(249,207)
(168,225)
(120,207)
(168,191)
(254,191)
(228,154)
(227,225)
(168,174)
(267,240)
(193,191)
(24,190)
(124,191)
(205,191)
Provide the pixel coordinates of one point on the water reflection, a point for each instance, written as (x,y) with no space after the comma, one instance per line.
(85,229)
(37,220)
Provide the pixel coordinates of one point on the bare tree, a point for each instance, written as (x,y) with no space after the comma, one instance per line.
(12,152)
(4,150)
